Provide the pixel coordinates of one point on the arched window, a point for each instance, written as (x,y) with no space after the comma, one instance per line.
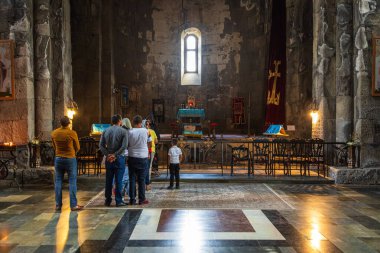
(191,55)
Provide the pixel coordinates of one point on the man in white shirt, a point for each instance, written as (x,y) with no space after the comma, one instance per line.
(137,161)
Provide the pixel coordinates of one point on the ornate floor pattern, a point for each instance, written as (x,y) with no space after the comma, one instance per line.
(201,195)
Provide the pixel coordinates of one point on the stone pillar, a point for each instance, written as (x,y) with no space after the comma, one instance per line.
(344,81)
(67,61)
(323,68)
(114,88)
(43,89)
(61,58)
(366,107)
(21,111)
(299,66)
(107,81)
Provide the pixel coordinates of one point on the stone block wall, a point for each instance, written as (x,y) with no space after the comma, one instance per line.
(135,45)
(138,47)
(342,61)
(87,47)
(40,68)
(366,107)
(299,66)
(17,116)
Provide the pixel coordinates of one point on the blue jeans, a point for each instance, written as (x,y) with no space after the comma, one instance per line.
(114,170)
(125,181)
(137,169)
(61,165)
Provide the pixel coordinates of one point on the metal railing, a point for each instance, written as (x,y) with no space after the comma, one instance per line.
(273,154)
(268,155)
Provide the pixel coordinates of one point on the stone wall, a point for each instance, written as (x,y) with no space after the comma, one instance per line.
(367,107)
(299,66)
(139,48)
(342,62)
(324,74)
(344,77)
(136,45)
(365,176)
(33,26)
(61,62)
(86,21)
(17,116)
(42,64)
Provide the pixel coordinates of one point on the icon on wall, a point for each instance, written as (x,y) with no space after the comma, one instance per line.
(7,86)
(238,111)
(159,110)
(124,96)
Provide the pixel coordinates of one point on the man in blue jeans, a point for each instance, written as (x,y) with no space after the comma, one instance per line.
(113,143)
(66,145)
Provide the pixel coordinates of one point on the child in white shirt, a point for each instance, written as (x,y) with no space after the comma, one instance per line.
(175,156)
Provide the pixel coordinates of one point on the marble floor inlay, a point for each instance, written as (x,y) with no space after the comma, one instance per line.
(147,228)
(204,221)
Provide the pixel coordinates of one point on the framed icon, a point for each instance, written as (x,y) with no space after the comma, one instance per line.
(159,109)
(7,82)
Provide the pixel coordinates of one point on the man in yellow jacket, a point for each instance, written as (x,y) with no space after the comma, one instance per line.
(66,145)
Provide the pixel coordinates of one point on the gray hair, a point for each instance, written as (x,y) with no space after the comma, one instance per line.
(127,123)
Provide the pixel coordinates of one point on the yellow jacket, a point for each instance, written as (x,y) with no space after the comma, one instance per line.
(65,142)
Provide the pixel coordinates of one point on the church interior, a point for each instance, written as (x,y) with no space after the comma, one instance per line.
(275,105)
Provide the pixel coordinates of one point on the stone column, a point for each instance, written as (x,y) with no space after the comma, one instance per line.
(61,58)
(299,66)
(323,69)
(344,81)
(366,107)
(43,89)
(21,110)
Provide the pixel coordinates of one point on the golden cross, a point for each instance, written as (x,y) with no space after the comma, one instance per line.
(274,98)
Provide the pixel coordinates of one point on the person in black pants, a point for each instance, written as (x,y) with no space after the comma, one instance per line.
(175,157)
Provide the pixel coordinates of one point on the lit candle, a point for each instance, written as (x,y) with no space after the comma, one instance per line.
(314,117)
(70,114)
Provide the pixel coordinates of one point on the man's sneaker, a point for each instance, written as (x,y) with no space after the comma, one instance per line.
(144,202)
(177,187)
(58,208)
(121,204)
(107,203)
(170,187)
(77,208)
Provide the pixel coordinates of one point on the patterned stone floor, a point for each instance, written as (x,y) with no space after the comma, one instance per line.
(272,218)
(201,195)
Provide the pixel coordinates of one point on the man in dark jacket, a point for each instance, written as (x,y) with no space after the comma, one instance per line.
(113,143)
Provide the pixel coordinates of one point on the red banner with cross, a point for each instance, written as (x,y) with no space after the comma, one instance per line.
(276,81)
